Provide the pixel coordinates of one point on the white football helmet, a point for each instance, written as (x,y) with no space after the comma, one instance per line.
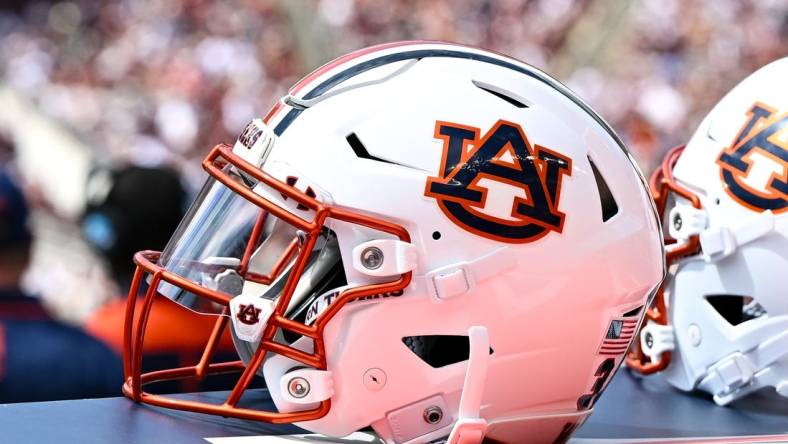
(721,325)
(425,238)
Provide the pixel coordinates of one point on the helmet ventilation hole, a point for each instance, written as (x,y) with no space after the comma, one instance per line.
(606,199)
(634,312)
(503,94)
(439,350)
(361,151)
(736,309)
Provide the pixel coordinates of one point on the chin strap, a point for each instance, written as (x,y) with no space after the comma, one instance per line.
(470,428)
(741,373)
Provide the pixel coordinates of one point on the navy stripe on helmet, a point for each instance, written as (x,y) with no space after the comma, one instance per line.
(422,53)
(450,53)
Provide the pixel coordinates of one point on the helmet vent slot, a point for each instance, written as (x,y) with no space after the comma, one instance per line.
(736,309)
(361,151)
(439,350)
(606,199)
(502,94)
(634,312)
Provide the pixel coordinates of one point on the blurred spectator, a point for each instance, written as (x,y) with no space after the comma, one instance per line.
(41,359)
(131,209)
(151,80)
(158,82)
(138,208)
(6,149)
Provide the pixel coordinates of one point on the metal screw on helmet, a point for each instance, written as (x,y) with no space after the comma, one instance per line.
(433,415)
(372,258)
(677,222)
(298,387)
(230,282)
(649,339)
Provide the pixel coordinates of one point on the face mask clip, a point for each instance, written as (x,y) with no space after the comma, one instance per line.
(307,386)
(656,339)
(685,221)
(255,143)
(249,314)
(385,257)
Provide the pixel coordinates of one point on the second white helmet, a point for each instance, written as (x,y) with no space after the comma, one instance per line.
(722,324)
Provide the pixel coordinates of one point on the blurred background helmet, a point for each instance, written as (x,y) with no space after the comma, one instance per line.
(424,238)
(721,324)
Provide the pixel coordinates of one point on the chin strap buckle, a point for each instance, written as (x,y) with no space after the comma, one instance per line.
(727,377)
(745,372)
(470,428)
(656,339)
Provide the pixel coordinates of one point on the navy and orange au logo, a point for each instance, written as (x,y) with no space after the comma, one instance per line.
(754,169)
(498,185)
(248,314)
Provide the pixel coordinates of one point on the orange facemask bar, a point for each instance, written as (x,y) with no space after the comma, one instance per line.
(662,184)
(134,332)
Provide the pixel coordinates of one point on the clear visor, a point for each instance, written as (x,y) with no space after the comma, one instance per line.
(228,244)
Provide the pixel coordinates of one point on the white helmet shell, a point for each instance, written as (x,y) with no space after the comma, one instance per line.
(726,302)
(538,298)
(519,222)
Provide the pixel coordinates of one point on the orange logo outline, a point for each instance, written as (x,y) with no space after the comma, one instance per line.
(468,158)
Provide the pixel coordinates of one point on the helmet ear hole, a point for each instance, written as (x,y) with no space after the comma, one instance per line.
(736,309)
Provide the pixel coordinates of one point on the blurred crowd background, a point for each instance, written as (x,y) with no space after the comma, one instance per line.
(100,97)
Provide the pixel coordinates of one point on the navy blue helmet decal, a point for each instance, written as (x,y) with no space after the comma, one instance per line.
(754,169)
(472,164)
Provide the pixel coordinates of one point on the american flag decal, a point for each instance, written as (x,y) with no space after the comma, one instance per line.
(619,334)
